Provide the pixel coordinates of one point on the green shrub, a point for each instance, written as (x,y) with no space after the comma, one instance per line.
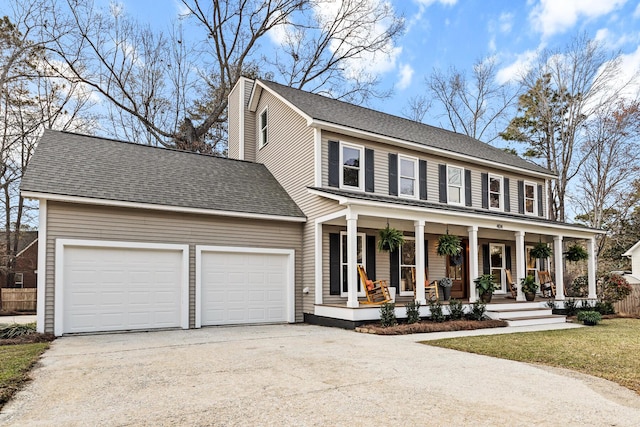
(388,315)
(456,309)
(589,317)
(477,312)
(604,307)
(413,311)
(551,304)
(16,330)
(435,307)
(579,287)
(615,288)
(571,307)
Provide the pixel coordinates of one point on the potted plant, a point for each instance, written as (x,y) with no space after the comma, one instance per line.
(445,288)
(541,250)
(576,253)
(449,245)
(589,318)
(485,285)
(390,239)
(529,287)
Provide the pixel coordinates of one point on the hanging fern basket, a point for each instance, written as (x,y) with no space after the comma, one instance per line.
(449,245)
(390,239)
(541,250)
(576,253)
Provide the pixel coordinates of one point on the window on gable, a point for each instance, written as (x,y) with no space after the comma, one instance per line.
(18,280)
(530,202)
(263,128)
(408,176)
(352,170)
(495,192)
(455,185)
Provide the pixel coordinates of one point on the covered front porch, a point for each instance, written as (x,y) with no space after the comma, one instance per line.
(492,244)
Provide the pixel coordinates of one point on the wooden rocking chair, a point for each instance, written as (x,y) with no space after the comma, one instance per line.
(513,286)
(547,287)
(377,291)
(430,289)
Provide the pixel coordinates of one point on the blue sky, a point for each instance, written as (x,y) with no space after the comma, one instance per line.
(444,33)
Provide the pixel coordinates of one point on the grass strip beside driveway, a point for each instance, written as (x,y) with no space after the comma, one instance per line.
(609,350)
(15,363)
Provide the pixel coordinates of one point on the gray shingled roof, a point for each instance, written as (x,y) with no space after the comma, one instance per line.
(364,119)
(86,166)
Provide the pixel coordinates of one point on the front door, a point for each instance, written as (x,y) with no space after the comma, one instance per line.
(457,267)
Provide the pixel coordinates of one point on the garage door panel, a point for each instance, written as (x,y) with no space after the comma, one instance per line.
(107,289)
(241,287)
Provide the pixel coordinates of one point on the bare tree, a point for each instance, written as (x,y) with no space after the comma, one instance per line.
(565,89)
(477,106)
(417,107)
(172,90)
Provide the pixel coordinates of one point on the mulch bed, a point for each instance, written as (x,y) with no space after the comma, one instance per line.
(28,339)
(426,326)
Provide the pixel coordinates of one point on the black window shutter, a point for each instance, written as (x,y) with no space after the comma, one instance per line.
(426,254)
(371,257)
(442,182)
(334,264)
(540,212)
(507,196)
(368,170)
(423,179)
(467,187)
(485,190)
(394,262)
(521,197)
(334,164)
(507,255)
(486,265)
(393,174)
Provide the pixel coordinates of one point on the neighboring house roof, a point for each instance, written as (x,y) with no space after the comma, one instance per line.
(632,249)
(84,166)
(25,240)
(321,108)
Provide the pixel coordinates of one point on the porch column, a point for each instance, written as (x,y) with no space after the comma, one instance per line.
(559,266)
(473,261)
(352,259)
(521,270)
(318,264)
(591,267)
(420,251)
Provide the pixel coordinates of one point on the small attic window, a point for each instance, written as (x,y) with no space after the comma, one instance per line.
(263,128)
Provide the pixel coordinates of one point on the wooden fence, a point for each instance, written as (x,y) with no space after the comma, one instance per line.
(630,305)
(18,299)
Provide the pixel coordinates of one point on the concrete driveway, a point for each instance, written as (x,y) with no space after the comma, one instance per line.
(301,375)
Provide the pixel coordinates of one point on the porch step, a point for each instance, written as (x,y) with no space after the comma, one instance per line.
(536,320)
(514,313)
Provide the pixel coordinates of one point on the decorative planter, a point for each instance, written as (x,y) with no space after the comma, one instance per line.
(445,293)
(530,296)
(486,297)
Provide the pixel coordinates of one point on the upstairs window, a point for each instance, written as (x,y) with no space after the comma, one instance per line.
(408,176)
(530,202)
(495,192)
(263,128)
(352,170)
(455,185)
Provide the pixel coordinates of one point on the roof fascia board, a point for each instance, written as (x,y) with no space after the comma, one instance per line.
(394,141)
(631,249)
(137,205)
(253,100)
(466,218)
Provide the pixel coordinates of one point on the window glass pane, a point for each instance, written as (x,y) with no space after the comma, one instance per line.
(406,279)
(496,256)
(454,194)
(408,253)
(455,272)
(494,185)
(497,276)
(345,285)
(495,200)
(359,245)
(455,176)
(351,177)
(406,186)
(344,248)
(407,168)
(529,191)
(263,120)
(529,205)
(350,157)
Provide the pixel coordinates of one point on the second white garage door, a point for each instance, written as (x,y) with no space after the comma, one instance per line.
(244,286)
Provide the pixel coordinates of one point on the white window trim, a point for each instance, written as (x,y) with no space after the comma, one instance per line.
(415,177)
(261,140)
(503,289)
(462,195)
(364,262)
(400,265)
(501,197)
(360,148)
(535,198)
(15,279)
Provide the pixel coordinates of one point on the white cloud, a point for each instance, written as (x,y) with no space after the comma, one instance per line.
(518,68)
(181,8)
(406,74)
(608,39)
(629,69)
(636,13)
(506,22)
(556,16)
(492,44)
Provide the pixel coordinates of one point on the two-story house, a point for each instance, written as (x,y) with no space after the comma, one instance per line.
(136,237)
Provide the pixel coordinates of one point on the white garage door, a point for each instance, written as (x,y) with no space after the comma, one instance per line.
(240,287)
(116,288)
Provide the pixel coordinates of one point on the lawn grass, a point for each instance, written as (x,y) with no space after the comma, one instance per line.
(15,363)
(609,350)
